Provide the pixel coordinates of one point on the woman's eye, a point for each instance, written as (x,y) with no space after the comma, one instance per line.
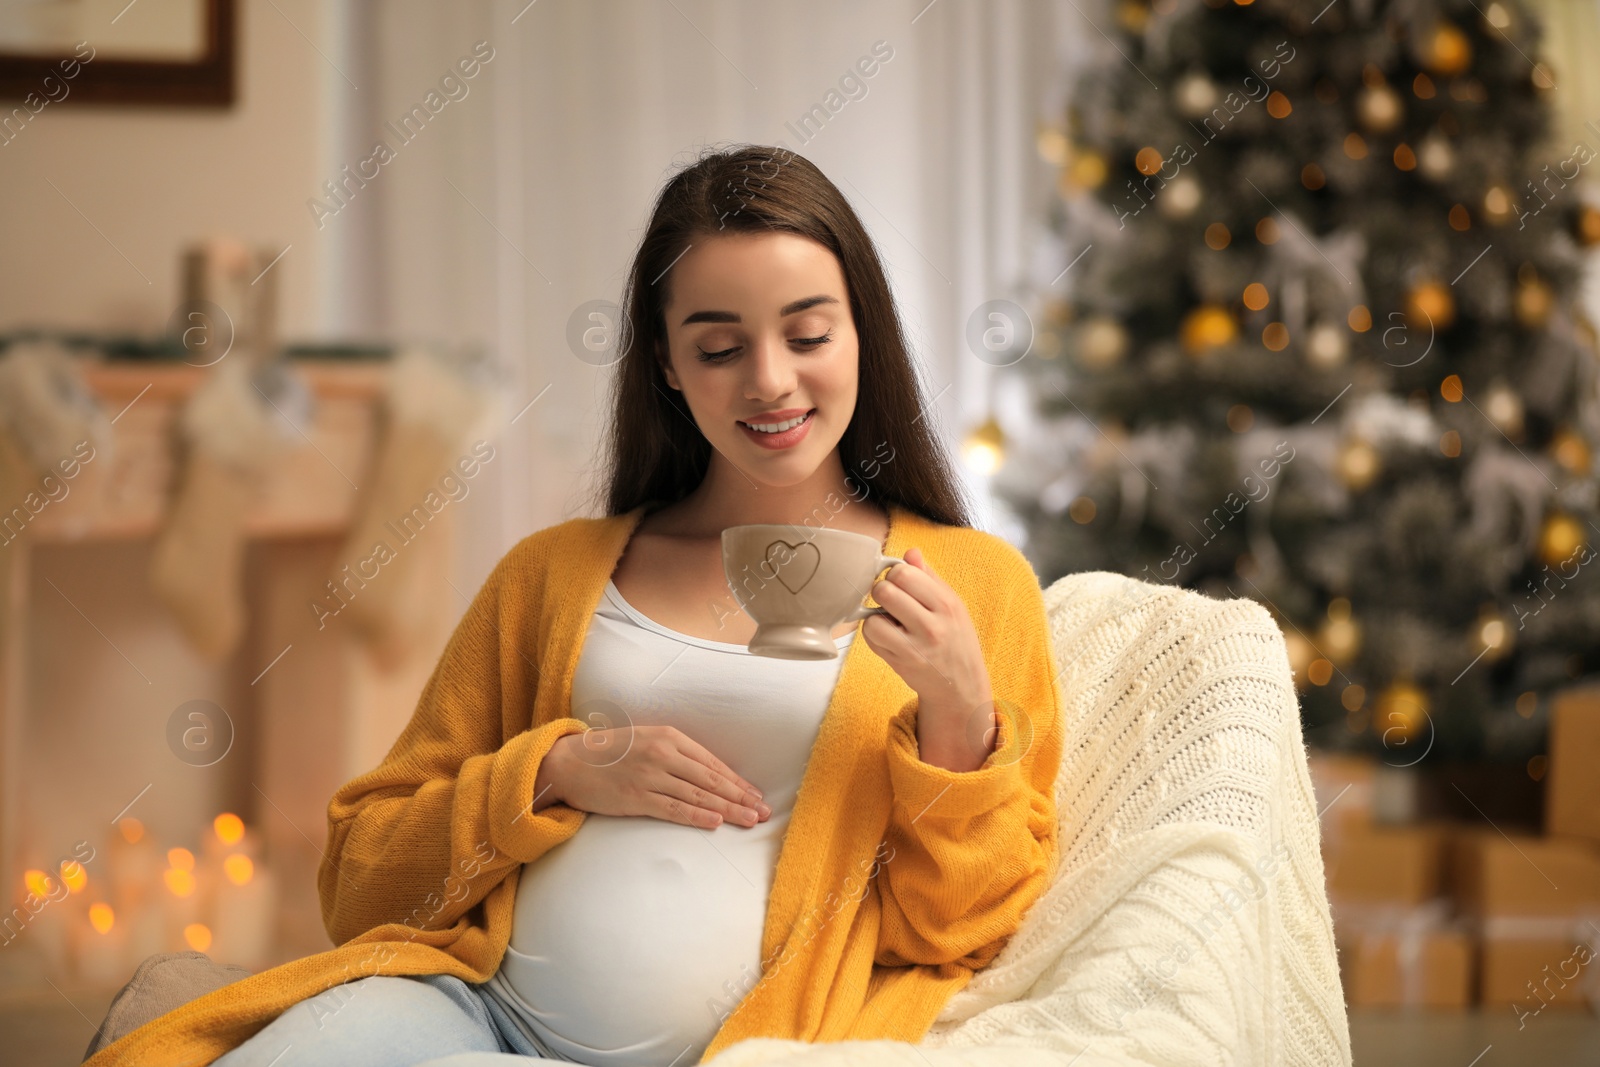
(718,357)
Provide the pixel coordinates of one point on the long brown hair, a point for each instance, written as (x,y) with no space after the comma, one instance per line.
(655,452)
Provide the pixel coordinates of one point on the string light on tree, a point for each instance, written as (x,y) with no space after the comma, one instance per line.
(1435,157)
(1195,95)
(1504,408)
(1379,108)
(1497,205)
(1494,637)
(1301,654)
(1102,340)
(1357,464)
(1340,637)
(1180,197)
(1326,346)
(1535,298)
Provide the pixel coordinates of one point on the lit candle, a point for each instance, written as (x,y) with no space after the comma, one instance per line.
(41,906)
(183,901)
(228,835)
(133,868)
(243,913)
(101,947)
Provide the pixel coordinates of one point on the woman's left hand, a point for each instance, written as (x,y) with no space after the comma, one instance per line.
(931,644)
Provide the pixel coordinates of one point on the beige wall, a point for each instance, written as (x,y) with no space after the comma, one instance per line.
(151,179)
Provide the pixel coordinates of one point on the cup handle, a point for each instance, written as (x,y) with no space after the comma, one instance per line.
(861,611)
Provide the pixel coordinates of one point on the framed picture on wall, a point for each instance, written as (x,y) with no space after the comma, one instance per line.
(162,52)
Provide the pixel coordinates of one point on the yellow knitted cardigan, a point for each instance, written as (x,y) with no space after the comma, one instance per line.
(896,879)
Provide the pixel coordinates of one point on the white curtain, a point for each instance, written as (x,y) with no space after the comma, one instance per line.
(524,198)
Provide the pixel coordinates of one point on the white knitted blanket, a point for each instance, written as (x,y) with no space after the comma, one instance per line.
(1188,923)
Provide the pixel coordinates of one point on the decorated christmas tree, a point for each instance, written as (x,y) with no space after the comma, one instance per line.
(1317,313)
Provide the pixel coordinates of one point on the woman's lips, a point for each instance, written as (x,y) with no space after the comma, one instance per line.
(787,439)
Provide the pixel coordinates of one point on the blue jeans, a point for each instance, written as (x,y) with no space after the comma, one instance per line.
(431,1020)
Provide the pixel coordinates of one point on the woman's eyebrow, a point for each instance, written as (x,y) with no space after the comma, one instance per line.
(787,309)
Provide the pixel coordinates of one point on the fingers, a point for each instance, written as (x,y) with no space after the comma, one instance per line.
(916,581)
(706,790)
(721,778)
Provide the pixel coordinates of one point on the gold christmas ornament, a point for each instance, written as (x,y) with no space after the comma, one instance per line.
(1357,464)
(1561,536)
(1401,713)
(1052,145)
(1589,226)
(1086,170)
(1326,345)
(1133,15)
(1206,327)
(1571,451)
(985,447)
(1428,303)
(1448,51)
(1101,342)
(1379,108)
(1534,301)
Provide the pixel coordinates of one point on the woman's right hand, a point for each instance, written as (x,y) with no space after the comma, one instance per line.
(657,771)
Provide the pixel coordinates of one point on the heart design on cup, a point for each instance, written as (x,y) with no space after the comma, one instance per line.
(800,556)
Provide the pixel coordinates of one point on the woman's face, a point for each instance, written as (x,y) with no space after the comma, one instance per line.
(759,331)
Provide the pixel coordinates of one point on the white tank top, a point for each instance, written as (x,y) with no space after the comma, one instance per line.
(635,936)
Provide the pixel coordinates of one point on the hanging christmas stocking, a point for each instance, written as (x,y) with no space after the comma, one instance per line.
(386,579)
(59,439)
(231,435)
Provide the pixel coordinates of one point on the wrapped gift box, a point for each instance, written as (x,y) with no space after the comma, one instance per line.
(1571,786)
(1533,963)
(1523,876)
(1396,865)
(1405,957)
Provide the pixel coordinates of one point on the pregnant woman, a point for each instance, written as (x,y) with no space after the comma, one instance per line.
(613,836)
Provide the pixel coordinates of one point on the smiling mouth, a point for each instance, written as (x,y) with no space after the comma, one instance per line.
(786,424)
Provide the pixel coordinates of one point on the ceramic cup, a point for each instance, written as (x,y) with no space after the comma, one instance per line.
(798,582)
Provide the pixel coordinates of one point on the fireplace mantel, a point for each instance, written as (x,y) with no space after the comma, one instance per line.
(323,712)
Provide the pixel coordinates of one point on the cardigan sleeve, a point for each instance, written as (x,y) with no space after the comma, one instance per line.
(973,850)
(422,839)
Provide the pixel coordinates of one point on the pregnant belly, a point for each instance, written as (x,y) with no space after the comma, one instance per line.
(635,936)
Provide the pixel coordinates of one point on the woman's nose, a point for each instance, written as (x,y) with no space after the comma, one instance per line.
(771,370)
